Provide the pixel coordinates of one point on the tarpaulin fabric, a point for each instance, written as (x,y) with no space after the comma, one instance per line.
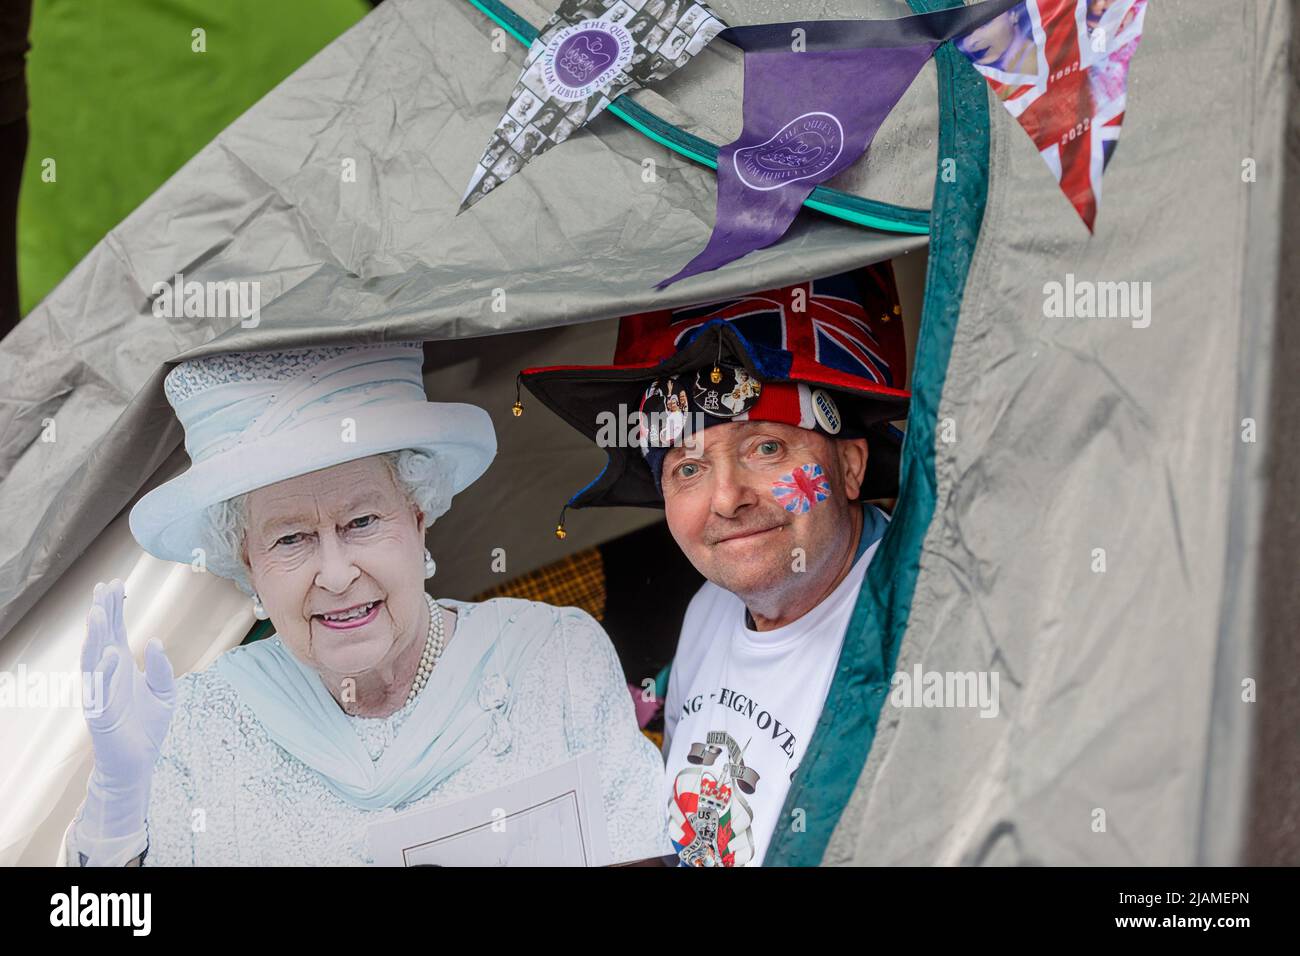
(1262,594)
(1097,527)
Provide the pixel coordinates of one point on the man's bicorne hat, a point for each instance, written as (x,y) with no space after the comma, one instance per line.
(827,354)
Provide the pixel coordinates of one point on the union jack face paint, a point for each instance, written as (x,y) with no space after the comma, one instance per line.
(804,487)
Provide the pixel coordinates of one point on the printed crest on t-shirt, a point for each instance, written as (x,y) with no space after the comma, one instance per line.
(709,819)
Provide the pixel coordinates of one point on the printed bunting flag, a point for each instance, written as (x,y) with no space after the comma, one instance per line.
(589,53)
(1061,68)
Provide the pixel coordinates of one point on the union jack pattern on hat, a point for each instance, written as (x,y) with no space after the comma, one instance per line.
(840,330)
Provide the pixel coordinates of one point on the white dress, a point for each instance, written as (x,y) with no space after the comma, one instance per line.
(224,793)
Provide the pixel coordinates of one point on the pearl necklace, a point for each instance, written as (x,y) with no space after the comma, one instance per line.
(433,644)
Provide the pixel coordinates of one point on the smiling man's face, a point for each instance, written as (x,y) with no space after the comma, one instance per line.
(727,497)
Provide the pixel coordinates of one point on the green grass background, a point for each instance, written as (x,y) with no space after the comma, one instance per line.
(120,101)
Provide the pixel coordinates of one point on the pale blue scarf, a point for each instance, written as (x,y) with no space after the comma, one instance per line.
(469,694)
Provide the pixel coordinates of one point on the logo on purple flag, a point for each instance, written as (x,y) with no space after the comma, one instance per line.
(805,146)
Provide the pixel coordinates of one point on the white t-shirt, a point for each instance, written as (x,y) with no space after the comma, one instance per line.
(741,708)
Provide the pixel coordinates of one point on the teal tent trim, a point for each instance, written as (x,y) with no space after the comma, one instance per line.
(855,209)
(839,747)
(260,631)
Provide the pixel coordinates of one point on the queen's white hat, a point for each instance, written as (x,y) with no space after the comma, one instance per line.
(254,418)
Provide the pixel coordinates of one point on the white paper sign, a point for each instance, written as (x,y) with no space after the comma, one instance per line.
(552,819)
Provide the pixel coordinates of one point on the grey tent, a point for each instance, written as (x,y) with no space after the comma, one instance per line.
(1101,512)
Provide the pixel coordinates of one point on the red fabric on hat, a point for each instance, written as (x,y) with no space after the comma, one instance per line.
(777,402)
(640,340)
(825,325)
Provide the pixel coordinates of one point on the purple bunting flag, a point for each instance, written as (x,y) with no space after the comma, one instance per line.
(816,92)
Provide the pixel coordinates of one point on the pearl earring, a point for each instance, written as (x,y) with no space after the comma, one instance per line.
(259,612)
(429,566)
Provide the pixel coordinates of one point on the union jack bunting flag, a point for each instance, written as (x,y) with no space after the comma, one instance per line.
(1061,68)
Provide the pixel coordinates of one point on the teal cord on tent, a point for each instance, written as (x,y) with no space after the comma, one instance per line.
(855,209)
(842,741)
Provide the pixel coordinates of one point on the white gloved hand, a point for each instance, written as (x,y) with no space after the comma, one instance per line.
(128,721)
